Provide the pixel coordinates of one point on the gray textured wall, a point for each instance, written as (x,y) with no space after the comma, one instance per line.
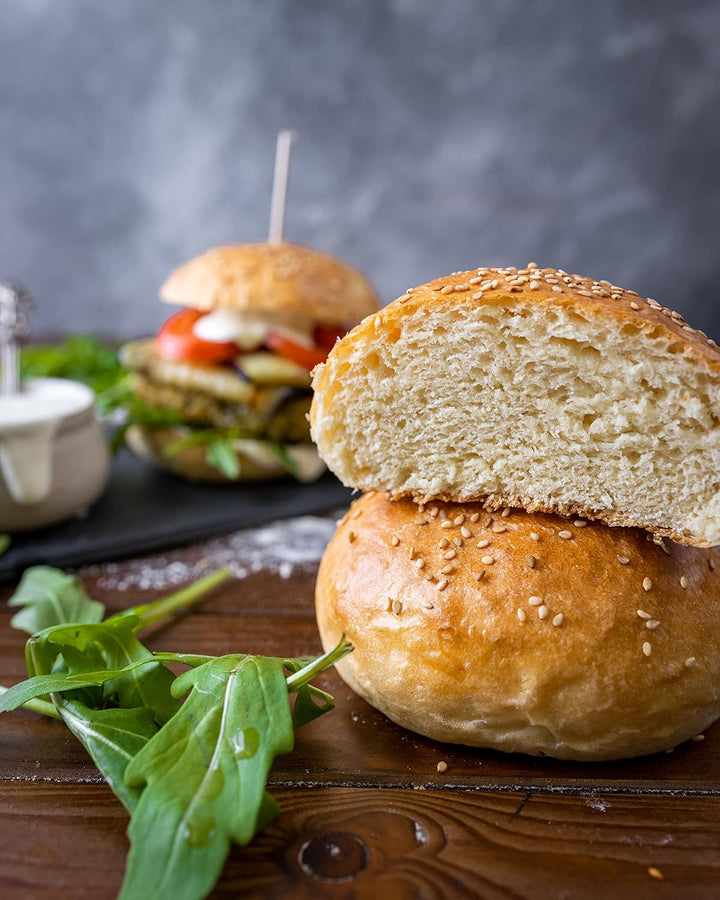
(432,136)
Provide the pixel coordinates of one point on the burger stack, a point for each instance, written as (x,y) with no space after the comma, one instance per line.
(531,567)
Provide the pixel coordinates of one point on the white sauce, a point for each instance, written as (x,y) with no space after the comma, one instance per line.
(249,329)
(28,422)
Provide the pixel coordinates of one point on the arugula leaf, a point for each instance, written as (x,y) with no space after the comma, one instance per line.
(219,446)
(5,541)
(205,775)
(221,455)
(39,685)
(114,645)
(50,597)
(283,457)
(79,357)
(112,737)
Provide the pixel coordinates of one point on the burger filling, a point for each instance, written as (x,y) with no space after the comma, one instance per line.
(228,376)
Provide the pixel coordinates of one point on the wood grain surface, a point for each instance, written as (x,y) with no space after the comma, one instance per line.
(365,812)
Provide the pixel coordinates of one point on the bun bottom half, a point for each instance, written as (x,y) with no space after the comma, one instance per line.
(255,460)
(523,632)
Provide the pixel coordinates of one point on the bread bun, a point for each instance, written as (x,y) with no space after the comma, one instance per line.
(256,461)
(526,633)
(278,278)
(530,388)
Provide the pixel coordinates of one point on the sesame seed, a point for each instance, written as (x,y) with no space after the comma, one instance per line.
(643,614)
(652,624)
(442,584)
(543,612)
(397,607)
(557,289)
(446,570)
(698,737)
(465,532)
(426,604)
(483,543)
(579,523)
(480,575)
(521,614)
(477,295)
(476,280)
(462,287)
(647,648)
(420,521)
(531,562)
(458,520)
(487,560)
(412,553)
(447,289)
(565,535)
(458,542)
(351,536)
(623,560)
(451,554)
(506,512)
(420,562)
(474,517)
(394,540)
(499,529)
(558,620)
(711,565)
(443,543)
(535,601)
(690,662)
(585,293)
(634,305)
(434,512)
(446,524)
(654,872)
(442,766)
(647,584)
(534,536)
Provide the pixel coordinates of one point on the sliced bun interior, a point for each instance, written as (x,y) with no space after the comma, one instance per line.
(530,388)
(528,632)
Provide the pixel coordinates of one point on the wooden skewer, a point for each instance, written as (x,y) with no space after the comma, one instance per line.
(280,182)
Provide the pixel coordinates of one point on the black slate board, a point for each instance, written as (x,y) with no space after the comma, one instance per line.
(144,509)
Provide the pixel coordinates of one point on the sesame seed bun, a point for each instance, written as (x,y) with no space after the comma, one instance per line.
(281,277)
(527,633)
(530,388)
(256,461)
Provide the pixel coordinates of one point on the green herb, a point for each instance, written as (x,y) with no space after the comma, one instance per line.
(220,452)
(50,597)
(5,541)
(192,774)
(79,357)
(283,457)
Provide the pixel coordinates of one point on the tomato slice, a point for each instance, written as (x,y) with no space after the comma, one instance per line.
(177,341)
(325,336)
(307,357)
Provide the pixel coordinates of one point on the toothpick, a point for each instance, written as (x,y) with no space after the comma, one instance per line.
(280,182)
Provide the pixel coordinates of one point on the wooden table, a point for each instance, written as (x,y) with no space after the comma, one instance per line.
(365,812)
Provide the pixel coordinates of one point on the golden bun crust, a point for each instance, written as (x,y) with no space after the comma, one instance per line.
(473,386)
(267,277)
(619,656)
(255,465)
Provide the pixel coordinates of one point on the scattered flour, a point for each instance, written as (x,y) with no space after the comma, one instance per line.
(280,547)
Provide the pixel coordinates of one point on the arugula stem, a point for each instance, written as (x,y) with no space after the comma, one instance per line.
(150,613)
(302,676)
(36,705)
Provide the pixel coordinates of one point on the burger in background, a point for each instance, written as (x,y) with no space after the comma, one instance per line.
(222,392)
